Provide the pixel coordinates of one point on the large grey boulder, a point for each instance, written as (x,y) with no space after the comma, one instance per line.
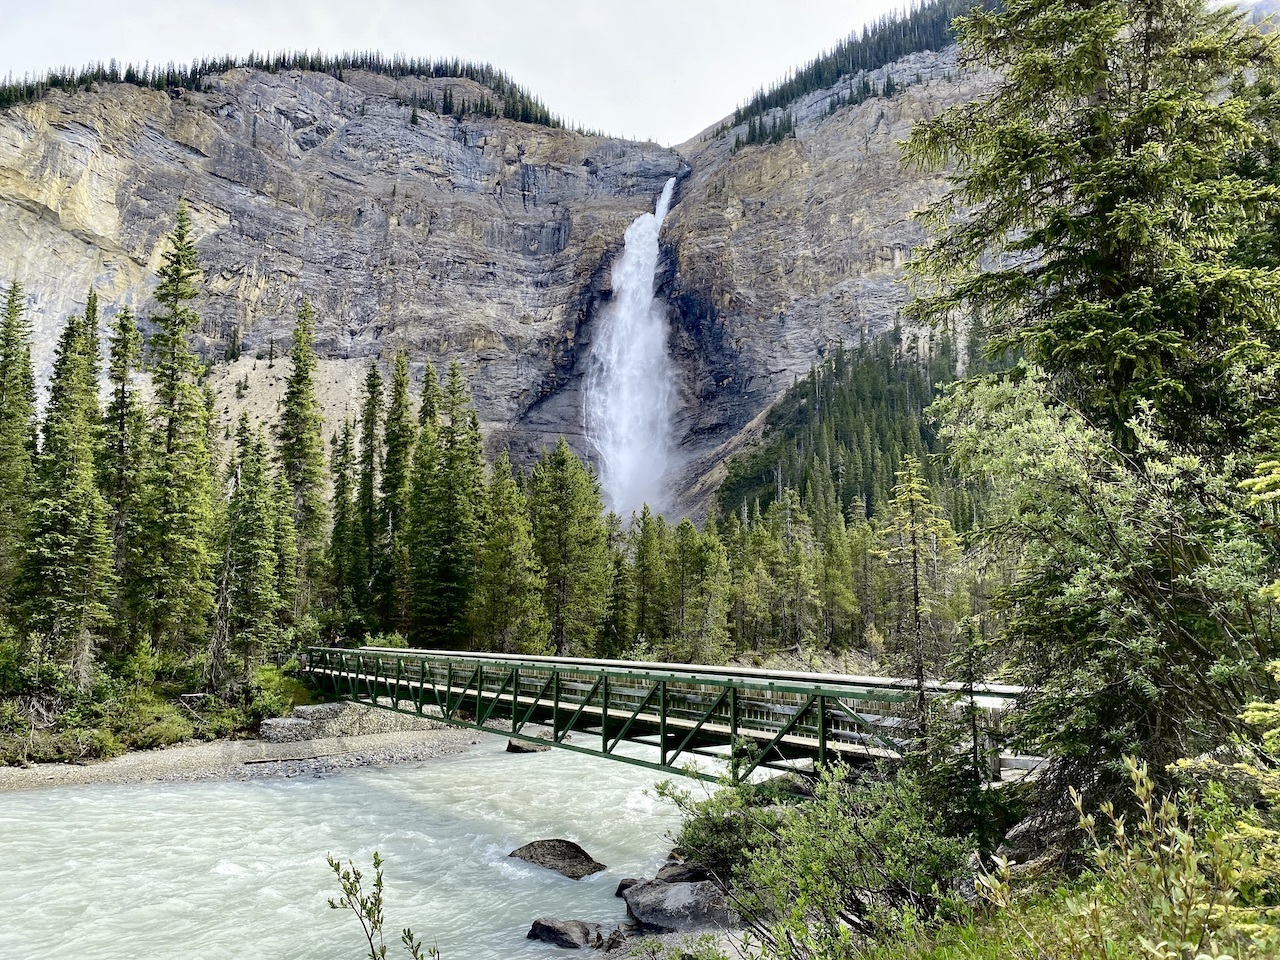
(676,872)
(563,856)
(569,934)
(679,907)
(527,746)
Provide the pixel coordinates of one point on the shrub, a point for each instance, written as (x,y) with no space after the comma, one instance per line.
(858,862)
(1165,887)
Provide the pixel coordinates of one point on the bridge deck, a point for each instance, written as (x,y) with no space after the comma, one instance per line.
(756,718)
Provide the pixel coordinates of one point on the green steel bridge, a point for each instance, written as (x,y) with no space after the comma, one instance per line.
(778,720)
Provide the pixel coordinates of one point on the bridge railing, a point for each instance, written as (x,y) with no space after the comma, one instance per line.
(755,717)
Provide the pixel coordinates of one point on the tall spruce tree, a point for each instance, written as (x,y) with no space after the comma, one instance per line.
(1099,205)
(174,585)
(363,563)
(392,571)
(344,536)
(249,588)
(68,572)
(649,545)
(120,460)
(1108,196)
(17,438)
(455,515)
(426,461)
(507,615)
(570,539)
(300,447)
(919,543)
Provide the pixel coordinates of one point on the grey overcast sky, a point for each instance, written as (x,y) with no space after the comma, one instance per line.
(648,69)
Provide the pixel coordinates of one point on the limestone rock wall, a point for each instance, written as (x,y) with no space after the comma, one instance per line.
(484,240)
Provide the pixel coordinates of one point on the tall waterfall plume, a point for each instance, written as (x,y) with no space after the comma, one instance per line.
(631,381)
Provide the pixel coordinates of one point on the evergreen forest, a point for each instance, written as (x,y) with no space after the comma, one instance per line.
(512,101)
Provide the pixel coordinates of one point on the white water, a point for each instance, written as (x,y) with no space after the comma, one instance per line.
(237,869)
(631,384)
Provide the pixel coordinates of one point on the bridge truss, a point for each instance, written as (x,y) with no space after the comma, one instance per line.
(752,719)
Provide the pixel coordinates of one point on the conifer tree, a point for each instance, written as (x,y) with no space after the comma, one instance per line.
(649,579)
(17,437)
(364,558)
(301,452)
(570,539)
(421,532)
(618,634)
(507,615)
(1110,156)
(68,571)
(343,540)
(93,342)
(286,548)
(249,594)
(124,444)
(392,571)
(174,585)
(698,590)
(918,543)
(455,517)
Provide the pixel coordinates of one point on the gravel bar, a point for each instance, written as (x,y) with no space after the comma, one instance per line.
(246,759)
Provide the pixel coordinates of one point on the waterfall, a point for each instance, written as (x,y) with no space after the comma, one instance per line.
(631,380)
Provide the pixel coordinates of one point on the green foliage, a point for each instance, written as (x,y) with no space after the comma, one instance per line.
(839,434)
(1136,619)
(300,449)
(507,614)
(1165,886)
(1105,193)
(718,829)
(454,502)
(391,565)
(344,537)
(173,587)
(367,906)
(120,459)
(68,570)
(363,557)
(859,860)
(571,541)
(17,436)
(516,102)
(926,27)
(823,876)
(259,524)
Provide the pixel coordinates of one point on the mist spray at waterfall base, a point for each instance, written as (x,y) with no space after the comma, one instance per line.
(631,382)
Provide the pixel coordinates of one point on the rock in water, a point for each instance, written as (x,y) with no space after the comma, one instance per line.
(682,873)
(527,746)
(570,934)
(679,907)
(564,856)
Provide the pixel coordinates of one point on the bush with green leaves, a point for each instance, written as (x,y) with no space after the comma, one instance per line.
(824,876)
(367,906)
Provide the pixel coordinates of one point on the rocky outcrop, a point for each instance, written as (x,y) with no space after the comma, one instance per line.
(481,240)
(526,746)
(320,720)
(563,856)
(679,907)
(569,934)
(776,254)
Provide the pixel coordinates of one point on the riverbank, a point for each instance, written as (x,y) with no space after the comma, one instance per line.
(245,759)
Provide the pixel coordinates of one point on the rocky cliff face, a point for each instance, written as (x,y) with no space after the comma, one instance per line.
(481,240)
(778,253)
(485,240)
